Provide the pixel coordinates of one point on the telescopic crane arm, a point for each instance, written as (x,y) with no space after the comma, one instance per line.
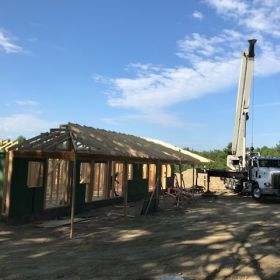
(238,158)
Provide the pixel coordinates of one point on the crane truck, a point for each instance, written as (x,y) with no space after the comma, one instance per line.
(248,171)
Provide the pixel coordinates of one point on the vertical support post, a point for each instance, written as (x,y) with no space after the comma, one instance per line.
(108,178)
(73,197)
(113,168)
(45,179)
(208,183)
(181,185)
(53,161)
(125,195)
(91,182)
(165,177)
(181,176)
(98,179)
(193,175)
(7,183)
(58,180)
(193,180)
(196,177)
(158,181)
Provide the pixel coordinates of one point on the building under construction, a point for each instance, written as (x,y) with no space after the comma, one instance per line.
(93,166)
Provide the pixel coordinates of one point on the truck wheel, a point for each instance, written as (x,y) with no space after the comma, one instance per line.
(256,193)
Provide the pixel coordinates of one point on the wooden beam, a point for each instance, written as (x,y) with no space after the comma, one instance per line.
(91,182)
(7,184)
(125,195)
(34,142)
(55,142)
(108,180)
(73,196)
(113,179)
(67,155)
(103,157)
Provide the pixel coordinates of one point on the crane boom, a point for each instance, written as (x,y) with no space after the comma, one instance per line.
(248,173)
(238,158)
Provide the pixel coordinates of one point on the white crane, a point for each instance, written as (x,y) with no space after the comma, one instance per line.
(237,160)
(259,176)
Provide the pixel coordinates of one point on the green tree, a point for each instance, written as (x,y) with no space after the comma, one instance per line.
(21,139)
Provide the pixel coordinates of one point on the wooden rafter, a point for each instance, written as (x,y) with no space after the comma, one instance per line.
(89,143)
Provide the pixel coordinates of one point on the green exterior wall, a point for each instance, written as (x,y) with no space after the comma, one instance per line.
(137,186)
(24,201)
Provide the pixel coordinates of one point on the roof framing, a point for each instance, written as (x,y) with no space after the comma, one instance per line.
(82,142)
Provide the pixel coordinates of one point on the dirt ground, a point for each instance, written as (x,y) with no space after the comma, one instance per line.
(221,237)
(216,184)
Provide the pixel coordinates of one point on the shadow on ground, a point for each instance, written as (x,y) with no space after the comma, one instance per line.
(228,237)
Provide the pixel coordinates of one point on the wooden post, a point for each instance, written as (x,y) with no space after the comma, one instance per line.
(73,198)
(181,185)
(58,180)
(196,177)
(158,181)
(113,168)
(7,183)
(125,173)
(91,182)
(181,176)
(98,180)
(52,178)
(45,179)
(108,179)
(208,183)
(193,180)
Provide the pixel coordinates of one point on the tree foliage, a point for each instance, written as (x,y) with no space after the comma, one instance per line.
(21,139)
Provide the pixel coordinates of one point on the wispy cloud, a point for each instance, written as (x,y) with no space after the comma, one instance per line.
(272,104)
(23,124)
(214,66)
(230,7)
(7,43)
(27,102)
(255,15)
(198,15)
(198,47)
(161,118)
(210,64)
(172,85)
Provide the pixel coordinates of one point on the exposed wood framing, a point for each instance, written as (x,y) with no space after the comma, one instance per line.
(125,195)
(5,145)
(109,179)
(89,143)
(7,184)
(73,199)
(67,155)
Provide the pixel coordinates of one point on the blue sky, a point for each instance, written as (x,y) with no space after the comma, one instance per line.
(160,69)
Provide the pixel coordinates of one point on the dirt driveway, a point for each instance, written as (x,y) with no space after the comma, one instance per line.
(227,237)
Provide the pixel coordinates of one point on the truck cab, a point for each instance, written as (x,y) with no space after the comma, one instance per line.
(264,176)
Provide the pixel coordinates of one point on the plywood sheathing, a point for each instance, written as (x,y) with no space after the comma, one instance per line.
(88,142)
